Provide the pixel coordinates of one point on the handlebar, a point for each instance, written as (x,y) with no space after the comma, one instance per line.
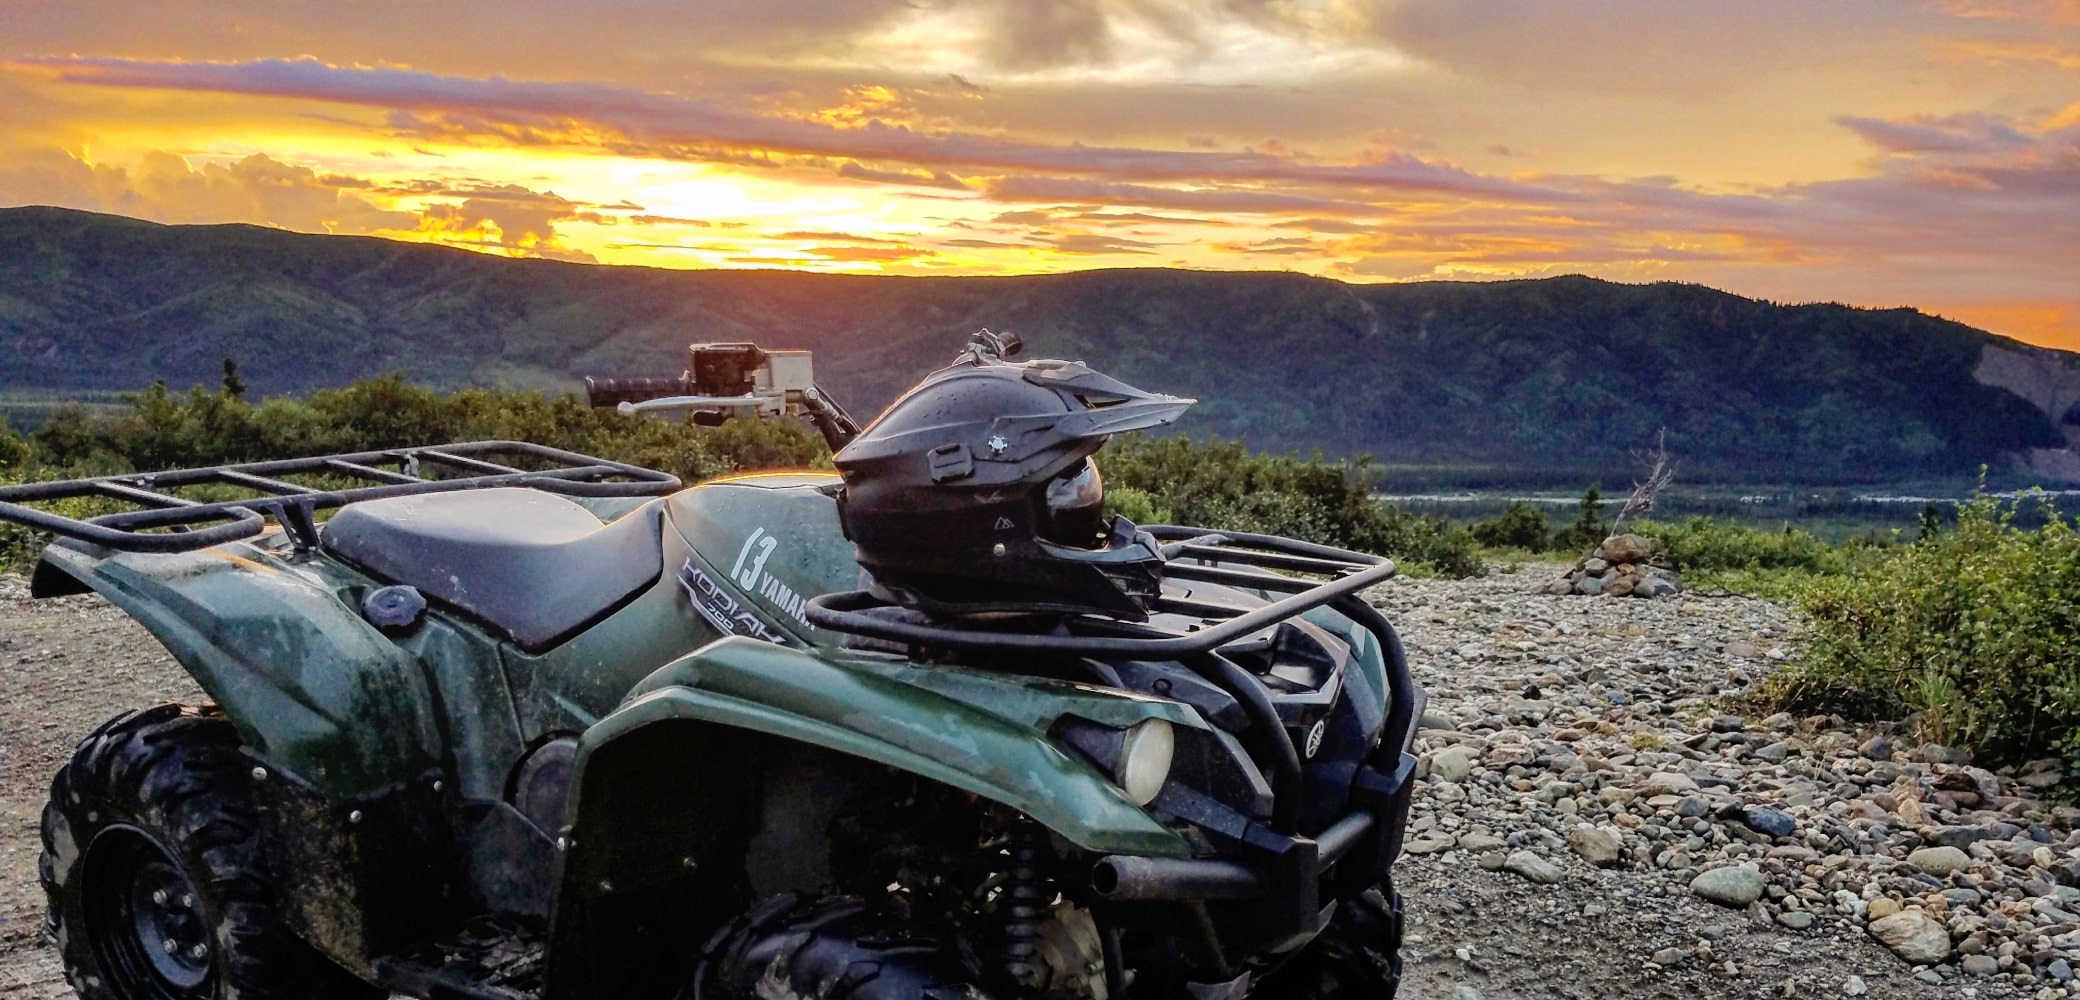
(615,392)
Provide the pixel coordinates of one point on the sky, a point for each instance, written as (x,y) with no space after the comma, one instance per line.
(1881,153)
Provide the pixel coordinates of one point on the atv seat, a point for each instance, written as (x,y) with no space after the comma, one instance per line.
(530,564)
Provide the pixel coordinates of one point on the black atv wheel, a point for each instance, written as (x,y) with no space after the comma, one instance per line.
(835,948)
(153,867)
(1357,956)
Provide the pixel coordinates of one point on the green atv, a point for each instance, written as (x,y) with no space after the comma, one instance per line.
(499,721)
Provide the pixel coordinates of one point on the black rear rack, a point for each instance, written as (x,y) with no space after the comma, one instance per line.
(1111,639)
(1194,554)
(172,523)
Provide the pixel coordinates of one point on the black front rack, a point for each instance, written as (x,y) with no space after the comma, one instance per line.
(1194,554)
(172,523)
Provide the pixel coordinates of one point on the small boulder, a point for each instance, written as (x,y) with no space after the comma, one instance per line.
(1736,886)
(1940,861)
(1876,748)
(1451,764)
(1535,868)
(1774,752)
(1667,783)
(1770,822)
(1914,935)
(1596,845)
(1627,549)
(1589,586)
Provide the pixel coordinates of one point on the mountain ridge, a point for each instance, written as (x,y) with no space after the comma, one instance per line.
(1565,371)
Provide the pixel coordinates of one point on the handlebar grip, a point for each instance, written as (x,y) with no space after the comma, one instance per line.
(602,393)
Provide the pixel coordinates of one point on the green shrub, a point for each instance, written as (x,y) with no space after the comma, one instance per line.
(1135,505)
(1151,480)
(1220,484)
(1976,631)
(1701,543)
(1588,530)
(1522,526)
(14,452)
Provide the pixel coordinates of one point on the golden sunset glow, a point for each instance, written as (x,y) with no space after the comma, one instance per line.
(1881,154)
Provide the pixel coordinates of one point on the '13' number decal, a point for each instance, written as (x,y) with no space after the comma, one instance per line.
(748,576)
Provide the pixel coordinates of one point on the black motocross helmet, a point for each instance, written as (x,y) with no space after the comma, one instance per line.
(976,491)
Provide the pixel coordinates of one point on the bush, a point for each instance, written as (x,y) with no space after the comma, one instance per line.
(14,452)
(1588,530)
(1151,480)
(1975,631)
(1701,543)
(1522,526)
(1219,484)
(162,429)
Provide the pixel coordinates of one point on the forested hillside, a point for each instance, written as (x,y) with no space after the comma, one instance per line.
(1555,373)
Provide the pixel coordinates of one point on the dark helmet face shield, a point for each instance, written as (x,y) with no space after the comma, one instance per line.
(1075,514)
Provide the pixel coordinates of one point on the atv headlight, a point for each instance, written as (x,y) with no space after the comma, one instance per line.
(1144,759)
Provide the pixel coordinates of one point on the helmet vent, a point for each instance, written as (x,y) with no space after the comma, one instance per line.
(950,461)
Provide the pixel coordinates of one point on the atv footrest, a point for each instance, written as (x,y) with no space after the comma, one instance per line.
(497,957)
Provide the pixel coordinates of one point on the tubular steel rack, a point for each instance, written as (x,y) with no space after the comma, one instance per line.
(1194,554)
(168,522)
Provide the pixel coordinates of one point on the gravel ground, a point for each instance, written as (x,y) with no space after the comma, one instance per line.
(1549,714)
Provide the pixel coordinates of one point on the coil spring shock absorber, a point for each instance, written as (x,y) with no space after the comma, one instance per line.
(1022,906)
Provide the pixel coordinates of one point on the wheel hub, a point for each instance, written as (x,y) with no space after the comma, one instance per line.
(145,919)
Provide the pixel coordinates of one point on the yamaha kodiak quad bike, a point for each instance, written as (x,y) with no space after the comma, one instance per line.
(514,722)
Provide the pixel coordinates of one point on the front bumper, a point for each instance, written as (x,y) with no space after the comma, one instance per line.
(1278,893)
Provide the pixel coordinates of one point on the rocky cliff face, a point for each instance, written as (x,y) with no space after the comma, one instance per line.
(2051,383)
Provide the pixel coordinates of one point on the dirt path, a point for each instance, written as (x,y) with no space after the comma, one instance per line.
(1523,681)
(66,666)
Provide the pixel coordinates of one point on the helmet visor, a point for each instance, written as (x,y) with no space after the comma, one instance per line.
(1075,512)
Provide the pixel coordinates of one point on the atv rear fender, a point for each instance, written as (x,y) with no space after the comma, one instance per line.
(312,687)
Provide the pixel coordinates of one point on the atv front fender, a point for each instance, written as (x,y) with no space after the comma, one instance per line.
(800,696)
(311,686)
(665,796)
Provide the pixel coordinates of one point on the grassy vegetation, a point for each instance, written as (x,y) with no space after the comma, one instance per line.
(1152,480)
(1712,555)
(1973,634)
(1221,484)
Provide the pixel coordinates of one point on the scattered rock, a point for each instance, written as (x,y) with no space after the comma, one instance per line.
(1438,722)
(1535,868)
(1616,716)
(1598,846)
(1667,783)
(1940,861)
(1914,935)
(1853,987)
(1452,764)
(1735,886)
(1772,822)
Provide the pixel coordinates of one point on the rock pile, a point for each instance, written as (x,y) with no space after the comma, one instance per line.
(1623,566)
(1592,750)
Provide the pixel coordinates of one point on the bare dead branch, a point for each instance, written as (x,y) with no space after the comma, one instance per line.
(1660,472)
